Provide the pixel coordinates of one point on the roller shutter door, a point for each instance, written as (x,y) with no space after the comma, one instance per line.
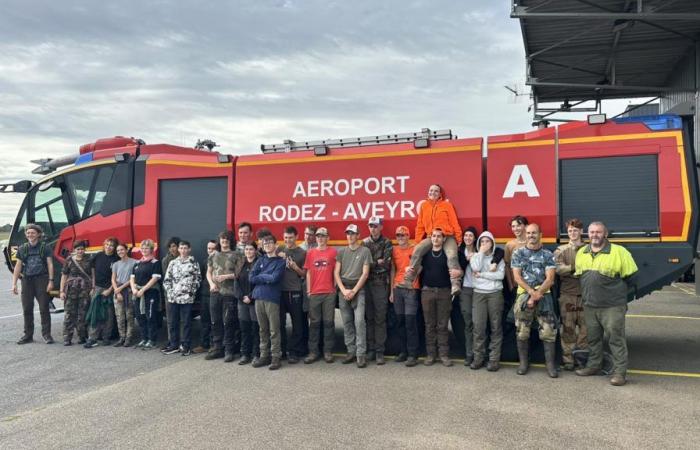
(620,191)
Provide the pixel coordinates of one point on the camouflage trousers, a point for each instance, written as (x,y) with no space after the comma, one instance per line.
(124,312)
(571,310)
(524,318)
(76,306)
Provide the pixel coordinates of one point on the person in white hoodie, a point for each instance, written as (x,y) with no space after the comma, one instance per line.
(487,302)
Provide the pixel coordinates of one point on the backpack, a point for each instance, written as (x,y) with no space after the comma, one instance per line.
(23,253)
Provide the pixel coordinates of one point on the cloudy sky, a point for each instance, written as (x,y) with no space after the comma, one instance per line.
(249,72)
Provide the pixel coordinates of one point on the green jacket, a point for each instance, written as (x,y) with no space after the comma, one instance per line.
(606,276)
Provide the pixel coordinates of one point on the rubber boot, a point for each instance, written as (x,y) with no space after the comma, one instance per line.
(523,349)
(550,354)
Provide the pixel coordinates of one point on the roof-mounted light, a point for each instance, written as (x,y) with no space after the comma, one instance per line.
(596,119)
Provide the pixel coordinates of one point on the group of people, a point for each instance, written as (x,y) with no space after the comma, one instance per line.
(247,293)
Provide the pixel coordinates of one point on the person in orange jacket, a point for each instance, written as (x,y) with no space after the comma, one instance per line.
(436,212)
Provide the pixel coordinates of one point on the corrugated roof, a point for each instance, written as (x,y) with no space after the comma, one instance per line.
(602,49)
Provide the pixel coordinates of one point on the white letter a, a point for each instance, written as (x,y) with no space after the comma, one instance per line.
(527,185)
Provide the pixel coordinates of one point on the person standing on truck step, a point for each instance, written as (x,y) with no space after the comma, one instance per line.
(608,273)
(266,278)
(173,244)
(405,300)
(436,212)
(144,281)
(488,301)
(351,272)
(436,299)
(570,300)
(534,271)
(102,292)
(35,267)
(292,300)
(517,226)
(250,331)
(181,283)
(204,307)
(222,269)
(321,291)
(377,289)
(125,309)
(76,283)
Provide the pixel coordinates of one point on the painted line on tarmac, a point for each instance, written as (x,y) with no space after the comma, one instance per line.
(687,291)
(645,316)
(14,315)
(664,374)
(657,373)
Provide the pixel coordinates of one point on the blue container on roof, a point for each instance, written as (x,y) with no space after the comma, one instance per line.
(84,158)
(656,123)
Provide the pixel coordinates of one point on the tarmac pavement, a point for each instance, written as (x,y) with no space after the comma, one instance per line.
(68,397)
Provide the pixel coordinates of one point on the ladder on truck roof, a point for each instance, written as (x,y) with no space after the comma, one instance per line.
(421,140)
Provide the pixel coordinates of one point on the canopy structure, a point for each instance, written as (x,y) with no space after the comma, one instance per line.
(592,50)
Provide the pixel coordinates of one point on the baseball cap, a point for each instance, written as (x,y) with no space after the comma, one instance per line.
(374,220)
(323,231)
(352,228)
(402,230)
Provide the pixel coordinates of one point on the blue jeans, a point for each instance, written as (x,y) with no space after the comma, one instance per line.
(181,312)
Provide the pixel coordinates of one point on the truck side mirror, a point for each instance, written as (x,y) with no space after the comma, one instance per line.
(22,186)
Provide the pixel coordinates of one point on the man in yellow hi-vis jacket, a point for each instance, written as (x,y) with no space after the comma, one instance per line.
(607,272)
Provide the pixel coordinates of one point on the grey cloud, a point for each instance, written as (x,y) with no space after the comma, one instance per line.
(250,72)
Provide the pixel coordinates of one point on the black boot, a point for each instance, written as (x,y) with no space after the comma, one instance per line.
(523,349)
(550,354)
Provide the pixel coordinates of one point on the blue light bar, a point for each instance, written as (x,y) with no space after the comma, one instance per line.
(84,158)
(656,123)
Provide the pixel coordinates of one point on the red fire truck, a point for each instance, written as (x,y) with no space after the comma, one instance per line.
(638,175)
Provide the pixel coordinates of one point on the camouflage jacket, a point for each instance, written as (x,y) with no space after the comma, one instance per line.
(533,264)
(182,280)
(380,249)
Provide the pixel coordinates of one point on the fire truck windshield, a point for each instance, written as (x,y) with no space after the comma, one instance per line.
(62,201)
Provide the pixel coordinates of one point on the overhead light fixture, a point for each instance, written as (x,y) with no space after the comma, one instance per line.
(596,119)
(223,158)
(421,143)
(320,150)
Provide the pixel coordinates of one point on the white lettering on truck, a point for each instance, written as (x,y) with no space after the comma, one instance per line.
(521,181)
(353,186)
(353,210)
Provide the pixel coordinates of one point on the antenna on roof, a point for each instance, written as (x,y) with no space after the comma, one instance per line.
(516,91)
